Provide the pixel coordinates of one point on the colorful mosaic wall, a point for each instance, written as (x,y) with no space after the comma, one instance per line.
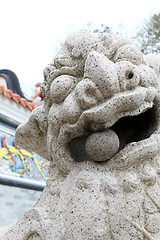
(19,162)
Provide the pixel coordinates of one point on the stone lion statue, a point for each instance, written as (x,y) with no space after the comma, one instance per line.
(99,127)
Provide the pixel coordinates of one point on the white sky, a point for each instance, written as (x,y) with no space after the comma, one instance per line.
(31,30)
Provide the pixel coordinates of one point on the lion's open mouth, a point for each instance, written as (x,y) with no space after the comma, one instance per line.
(100,140)
(128,129)
(135,128)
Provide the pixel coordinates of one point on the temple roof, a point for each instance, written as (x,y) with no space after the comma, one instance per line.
(16,98)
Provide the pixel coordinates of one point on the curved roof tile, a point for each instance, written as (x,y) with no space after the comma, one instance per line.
(16,97)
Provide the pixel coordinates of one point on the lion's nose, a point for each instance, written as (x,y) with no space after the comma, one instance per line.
(103,73)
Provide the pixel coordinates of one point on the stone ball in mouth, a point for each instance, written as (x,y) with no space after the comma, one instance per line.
(101,146)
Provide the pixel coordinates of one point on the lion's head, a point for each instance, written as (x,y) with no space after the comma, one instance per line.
(101,104)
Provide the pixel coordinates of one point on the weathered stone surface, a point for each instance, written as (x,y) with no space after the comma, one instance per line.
(97,84)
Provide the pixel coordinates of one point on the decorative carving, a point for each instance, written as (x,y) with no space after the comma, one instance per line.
(99,127)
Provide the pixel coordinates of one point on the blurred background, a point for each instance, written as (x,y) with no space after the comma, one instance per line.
(33,30)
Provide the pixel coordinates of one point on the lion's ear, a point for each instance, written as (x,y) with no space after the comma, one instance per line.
(32,135)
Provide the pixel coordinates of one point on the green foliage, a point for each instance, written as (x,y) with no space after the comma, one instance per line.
(148,38)
(103,29)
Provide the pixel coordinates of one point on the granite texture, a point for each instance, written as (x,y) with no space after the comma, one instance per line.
(99,127)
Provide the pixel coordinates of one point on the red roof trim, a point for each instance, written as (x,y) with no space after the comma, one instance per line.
(16,97)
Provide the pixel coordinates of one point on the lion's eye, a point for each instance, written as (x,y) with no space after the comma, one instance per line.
(129,74)
(60,88)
